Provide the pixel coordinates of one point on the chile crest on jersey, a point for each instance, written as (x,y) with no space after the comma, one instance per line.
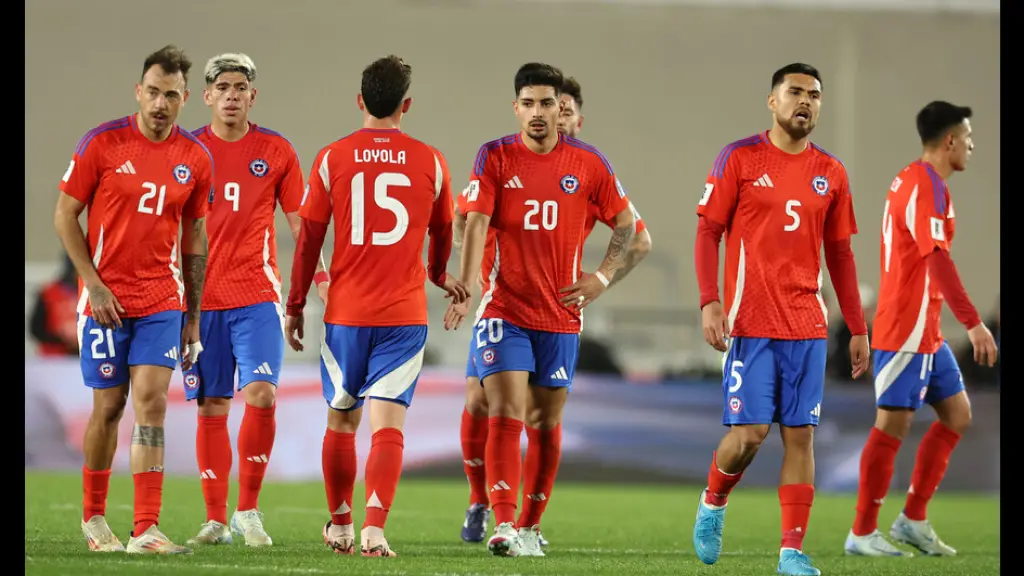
(182,174)
(259,167)
(820,185)
(570,184)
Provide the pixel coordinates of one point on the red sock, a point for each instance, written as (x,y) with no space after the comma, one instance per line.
(383,469)
(504,465)
(474,443)
(149,488)
(796,501)
(255,442)
(720,484)
(543,453)
(213,453)
(95,485)
(932,460)
(877,461)
(340,467)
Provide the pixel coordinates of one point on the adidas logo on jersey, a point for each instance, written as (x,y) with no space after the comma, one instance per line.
(126,168)
(514,183)
(764,181)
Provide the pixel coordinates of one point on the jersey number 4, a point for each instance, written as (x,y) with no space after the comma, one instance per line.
(381,184)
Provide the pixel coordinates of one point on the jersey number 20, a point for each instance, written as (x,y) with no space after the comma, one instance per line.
(381,184)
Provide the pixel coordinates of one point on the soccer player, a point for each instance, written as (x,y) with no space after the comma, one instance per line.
(534,189)
(913,363)
(384,191)
(140,177)
(243,316)
(778,198)
(474,417)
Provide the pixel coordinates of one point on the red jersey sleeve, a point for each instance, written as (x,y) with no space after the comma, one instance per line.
(289,189)
(483,188)
(202,193)
(460,201)
(83,174)
(316,203)
(721,189)
(610,222)
(841,222)
(608,195)
(933,212)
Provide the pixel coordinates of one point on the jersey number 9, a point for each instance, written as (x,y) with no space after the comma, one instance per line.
(381,184)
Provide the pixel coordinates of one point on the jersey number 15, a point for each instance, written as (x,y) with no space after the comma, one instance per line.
(381,185)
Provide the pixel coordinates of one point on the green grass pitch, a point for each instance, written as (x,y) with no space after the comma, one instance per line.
(593,529)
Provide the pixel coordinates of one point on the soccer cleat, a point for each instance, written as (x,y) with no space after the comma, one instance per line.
(540,538)
(373,543)
(873,544)
(707,531)
(153,541)
(99,536)
(529,542)
(796,563)
(474,529)
(341,539)
(920,535)
(249,523)
(505,541)
(211,533)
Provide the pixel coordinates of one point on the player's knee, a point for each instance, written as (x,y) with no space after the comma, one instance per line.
(210,407)
(749,438)
(260,394)
(894,422)
(150,405)
(957,416)
(344,421)
(476,399)
(798,438)
(110,411)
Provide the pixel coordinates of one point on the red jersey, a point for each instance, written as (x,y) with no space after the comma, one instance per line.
(593,215)
(777,209)
(137,192)
(384,190)
(917,219)
(254,175)
(539,205)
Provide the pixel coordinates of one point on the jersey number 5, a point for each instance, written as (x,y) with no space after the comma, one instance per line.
(381,184)
(152,191)
(791,206)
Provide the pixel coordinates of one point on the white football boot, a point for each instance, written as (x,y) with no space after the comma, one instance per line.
(529,542)
(211,533)
(249,523)
(873,544)
(505,541)
(99,536)
(153,541)
(920,535)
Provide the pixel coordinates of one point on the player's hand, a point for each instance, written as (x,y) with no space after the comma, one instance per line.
(583,291)
(985,351)
(293,331)
(106,310)
(190,345)
(321,291)
(860,353)
(456,312)
(455,289)
(716,325)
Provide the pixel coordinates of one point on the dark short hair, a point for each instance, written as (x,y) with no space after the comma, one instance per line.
(571,86)
(171,59)
(796,68)
(385,83)
(936,119)
(537,74)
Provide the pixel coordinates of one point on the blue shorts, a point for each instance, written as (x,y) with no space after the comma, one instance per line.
(382,362)
(106,353)
(250,339)
(499,346)
(470,366)
(767,381)
(908,379)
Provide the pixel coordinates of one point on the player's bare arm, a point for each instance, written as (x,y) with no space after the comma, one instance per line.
(295,224)
(639,248)
(105,307)
(472,256)
(458,230)
(590,286)
(195,249)
(307,252)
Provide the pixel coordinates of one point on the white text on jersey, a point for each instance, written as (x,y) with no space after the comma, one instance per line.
(379,156)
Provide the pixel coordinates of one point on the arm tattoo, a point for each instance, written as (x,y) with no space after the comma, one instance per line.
(615,258)
(151,436)
(195,270)
(631,262)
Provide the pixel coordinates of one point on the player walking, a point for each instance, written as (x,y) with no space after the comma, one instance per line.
(541,443)
(778,197)
(243,316)
(384,191)
(534,189)
(140,177)
(913,363)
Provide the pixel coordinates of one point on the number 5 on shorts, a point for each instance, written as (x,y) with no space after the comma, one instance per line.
(735,375)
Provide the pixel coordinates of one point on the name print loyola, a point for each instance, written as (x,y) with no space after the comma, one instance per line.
(363,156)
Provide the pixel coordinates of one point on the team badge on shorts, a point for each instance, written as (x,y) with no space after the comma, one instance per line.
(489,356)
(107,370)
(191,381)
(570,184)
(258,167)
(735,405)
(820,185)
(924,392)
(182,174)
